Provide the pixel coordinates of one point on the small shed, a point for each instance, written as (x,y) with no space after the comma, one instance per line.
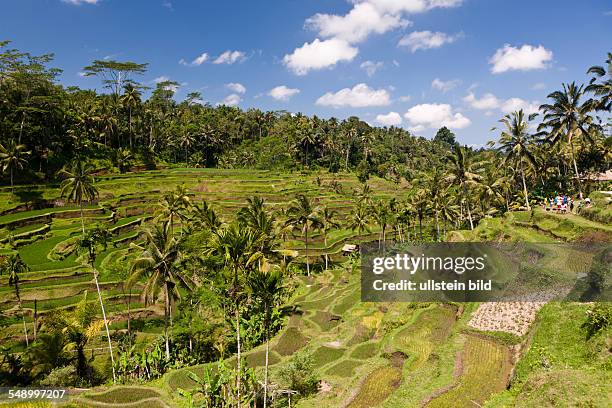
(348,249)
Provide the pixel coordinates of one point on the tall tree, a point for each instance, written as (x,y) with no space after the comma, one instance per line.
(13,266)
(601,84)
(159,263)
(267,288)
(463,173)
(515,144)
(304,216)
(78,185)
(91,240)
(567,116)
(13,157)
(328,222)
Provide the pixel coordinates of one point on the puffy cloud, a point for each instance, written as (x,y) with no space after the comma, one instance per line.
(231,100)
(79,2)
(283,93)
(486,102)
(524,58)
(363,20)
(410,6)
(236,87)
(514,104)
(202,58)
(371,67)
(390,119)
(319,55)
(434,116)
(361,95)
(424,40)
(230,57)
(444,86)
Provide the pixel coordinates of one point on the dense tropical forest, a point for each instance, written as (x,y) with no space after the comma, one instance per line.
(190,251)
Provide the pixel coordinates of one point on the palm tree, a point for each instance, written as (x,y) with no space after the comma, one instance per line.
(204,216)
(80,326)
(236,246)
(328,221)
(13,266)
(381,215)
(359,219)
(515,144)
(159,262)
(78,185)
(567,116)
(174,204)
(602,89)
(13,157)
(130,100)
(463,174)
(90,242)
(267,287)
(304,216)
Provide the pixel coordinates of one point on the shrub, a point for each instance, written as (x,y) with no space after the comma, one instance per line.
(598,318)
(298,375)
(60,377)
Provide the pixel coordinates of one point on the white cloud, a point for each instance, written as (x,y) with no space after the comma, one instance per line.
(390,119)
(236,87)
(283,93)
(79,2)
(363,20)
(361,95)
(371,67)
(410,6)
(82,74)
(424,40)
(538,86)
(230,57)
(444,86)
(514,104)
(319,55)
(162,78)
(202,58)
(434,116)
(486,102)
(405,98)
(231,100)
(524,58)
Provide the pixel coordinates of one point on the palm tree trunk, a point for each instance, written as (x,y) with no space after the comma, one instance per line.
(326,254)
(307,264)
(25,329)
(266,368)
(167,314)
(12,179)
(576,168)
(437,226)
(525,187)
(238,385)
(110,344)
(82,221)
(467,204)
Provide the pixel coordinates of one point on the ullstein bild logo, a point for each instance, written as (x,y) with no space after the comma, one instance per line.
(468,272)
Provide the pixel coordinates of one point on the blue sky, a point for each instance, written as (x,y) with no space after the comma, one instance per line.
(419,64)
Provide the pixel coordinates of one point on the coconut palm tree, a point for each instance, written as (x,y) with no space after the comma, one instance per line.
(235,246)
(98,237)
(79,326)
(380,212)
(173,205)
(159,263)
(267,288)
(328,222)
(515,144)
(204,216)
(304,216)
(463,173)
(13,266)
(567,116)
(13,157)
(603,88)
(130,100)
(78,185)
(359,219)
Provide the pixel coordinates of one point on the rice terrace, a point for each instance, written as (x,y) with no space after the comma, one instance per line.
(166,244)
